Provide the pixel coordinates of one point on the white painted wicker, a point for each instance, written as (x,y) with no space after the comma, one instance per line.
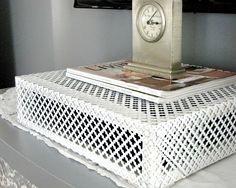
(148,144)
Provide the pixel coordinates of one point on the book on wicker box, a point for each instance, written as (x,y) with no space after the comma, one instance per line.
(113,76)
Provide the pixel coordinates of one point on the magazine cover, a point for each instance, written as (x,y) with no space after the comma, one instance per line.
(114,76)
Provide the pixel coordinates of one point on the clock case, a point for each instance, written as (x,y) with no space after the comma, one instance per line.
(161,58)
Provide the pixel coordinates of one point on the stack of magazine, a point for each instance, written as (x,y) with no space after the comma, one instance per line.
(113,76)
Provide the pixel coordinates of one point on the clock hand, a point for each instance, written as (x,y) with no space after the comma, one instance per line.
(149,21)
(152,23)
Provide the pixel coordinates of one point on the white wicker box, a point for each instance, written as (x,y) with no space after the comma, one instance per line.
(147,144)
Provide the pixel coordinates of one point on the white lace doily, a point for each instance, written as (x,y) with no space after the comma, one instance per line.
(10,178)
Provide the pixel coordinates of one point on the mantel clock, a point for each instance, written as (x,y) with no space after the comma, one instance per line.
(157,38)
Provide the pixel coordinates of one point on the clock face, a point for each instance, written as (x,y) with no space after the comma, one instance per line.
(151,22)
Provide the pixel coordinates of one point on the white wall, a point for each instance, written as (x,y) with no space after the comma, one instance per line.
(32,35)
(85,36)
(51,34)
(210,40)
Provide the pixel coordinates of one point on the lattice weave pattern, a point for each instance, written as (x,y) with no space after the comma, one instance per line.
(148,144)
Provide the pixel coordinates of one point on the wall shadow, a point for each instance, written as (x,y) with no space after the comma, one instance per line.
(7,70)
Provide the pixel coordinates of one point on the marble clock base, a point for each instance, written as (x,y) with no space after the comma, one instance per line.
(146,144)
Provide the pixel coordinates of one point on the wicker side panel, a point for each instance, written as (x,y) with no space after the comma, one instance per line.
(148,144)
(71,123)
(195,141)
